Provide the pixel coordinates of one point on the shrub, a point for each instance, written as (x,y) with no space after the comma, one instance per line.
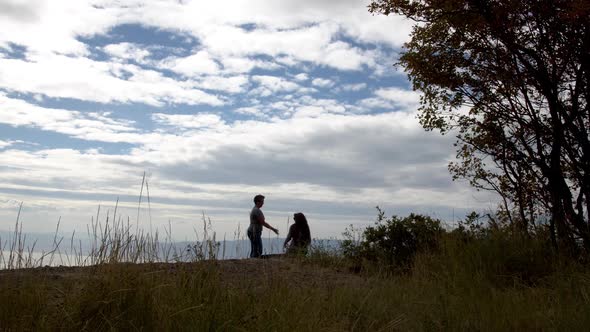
(392,241)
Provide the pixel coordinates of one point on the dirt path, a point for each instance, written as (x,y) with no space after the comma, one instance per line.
(235,272)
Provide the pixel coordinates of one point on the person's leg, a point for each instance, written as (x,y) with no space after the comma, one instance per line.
(258,243)
(251,237)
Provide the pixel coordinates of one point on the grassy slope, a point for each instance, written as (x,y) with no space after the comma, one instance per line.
(287,295)
(496,283)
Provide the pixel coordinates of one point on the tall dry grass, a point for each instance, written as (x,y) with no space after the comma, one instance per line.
(112,240)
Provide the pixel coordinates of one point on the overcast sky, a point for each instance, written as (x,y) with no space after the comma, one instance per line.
(216,101)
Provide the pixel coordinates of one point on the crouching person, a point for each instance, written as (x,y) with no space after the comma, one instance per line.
(299,237)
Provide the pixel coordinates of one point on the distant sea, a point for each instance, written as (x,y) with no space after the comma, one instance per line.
(77,253)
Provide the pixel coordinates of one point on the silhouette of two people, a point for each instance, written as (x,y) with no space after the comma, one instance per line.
(297,241)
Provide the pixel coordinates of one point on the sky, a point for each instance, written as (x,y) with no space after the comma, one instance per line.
(215,102)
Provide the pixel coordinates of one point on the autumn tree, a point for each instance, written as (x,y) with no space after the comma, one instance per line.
(511,79)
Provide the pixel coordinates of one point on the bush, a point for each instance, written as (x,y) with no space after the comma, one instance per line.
(394,241)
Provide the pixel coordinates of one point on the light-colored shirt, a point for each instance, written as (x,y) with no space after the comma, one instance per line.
(256,215)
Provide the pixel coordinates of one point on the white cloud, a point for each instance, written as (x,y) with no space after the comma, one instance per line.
(59,170)
(305,42)
(19,10)
(342,56)
(285,105)
(301,106)
(323,150)
(88,126)
(399,96)
(354,87)
(4,144)
(313,44)
(352,15)
(275,83)
(127,51)
(193,65)
(375,103)
(230,84)
(85,79)
(269,85)
(333,156)
(189,121)
(245,64)
(303,30)
(53,27)
(313,105)
(322,82)
(392,98)
(392,30)
(301,77)
(309,112)
(249,111)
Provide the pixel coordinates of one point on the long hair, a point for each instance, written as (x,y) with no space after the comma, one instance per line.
(302,227)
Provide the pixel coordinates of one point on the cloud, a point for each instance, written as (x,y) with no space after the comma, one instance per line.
(392,98)
(326,149)
(322,83)
(309,43)
(354,87)
(375,103)
(287,106)
(250,111)
(352,16)
(269,85)
(4,144)
(305,34)
(301,77)
(345,57)
(19,11)
(88,126)
(233,64)
(193,65)
(311,107)
(53,28)
(229,84)
(399,96)
(127,51)
(330,151)
(196,121)
(299,105)
(57,170)
(81,78)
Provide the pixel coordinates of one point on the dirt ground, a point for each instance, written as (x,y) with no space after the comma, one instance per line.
(233,272)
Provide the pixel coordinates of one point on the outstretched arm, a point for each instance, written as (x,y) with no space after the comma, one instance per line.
(263,222)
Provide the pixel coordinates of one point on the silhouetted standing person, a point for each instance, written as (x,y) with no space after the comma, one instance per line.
(299,236)
(257,221)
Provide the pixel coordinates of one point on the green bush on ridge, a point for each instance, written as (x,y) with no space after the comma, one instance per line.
(495,250)
(393,241)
